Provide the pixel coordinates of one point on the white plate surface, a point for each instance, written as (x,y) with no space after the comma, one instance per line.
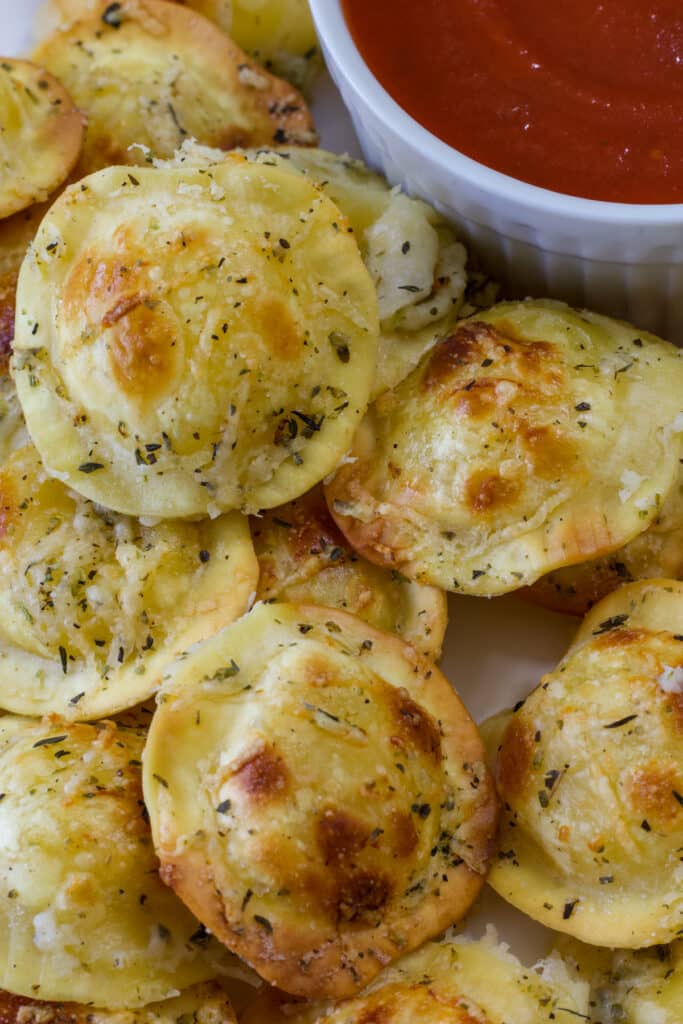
(496,650)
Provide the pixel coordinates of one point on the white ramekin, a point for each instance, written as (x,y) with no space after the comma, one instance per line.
(617,258)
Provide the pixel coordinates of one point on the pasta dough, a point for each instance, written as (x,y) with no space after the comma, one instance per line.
(84,916)
(318,796)
(533,437)
(303,558)
(590,769)
(453,982)
(205,337)
(150,74)
(41,134)
(94,605)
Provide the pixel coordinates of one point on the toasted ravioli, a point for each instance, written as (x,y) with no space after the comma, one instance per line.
(41,134)
(590,770)
(412,253)
(95,605)
(58,13)
(457,982)
(534,436)
(278,33)
(206,1003)
(207,337)
(150,74)
(656,552)
(84,916)
(304,558)
(627,986)
(318,796)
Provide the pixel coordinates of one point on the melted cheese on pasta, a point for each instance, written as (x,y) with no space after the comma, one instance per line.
(533,437)
(318,796)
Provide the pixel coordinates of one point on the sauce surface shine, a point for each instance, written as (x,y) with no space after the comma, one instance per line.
(584,98)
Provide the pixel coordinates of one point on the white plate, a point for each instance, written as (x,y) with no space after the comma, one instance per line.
(496,650)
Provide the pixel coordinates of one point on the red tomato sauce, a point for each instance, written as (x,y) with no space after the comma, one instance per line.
(582,97)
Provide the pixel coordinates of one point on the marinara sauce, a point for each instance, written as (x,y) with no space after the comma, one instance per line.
(581,96)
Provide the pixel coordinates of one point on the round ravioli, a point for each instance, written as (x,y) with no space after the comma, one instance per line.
(205,337)
(304,558)
(456,982)
(590,771)
(84,916)
(59,13)
(656,552)
(206,1003)
(150,74)
(629,986)
(278,33)
(412,253)
(41,134)
(534,436)
(318,796)
(95,605)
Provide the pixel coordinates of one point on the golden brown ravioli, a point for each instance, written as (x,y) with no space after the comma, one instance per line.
(41,134)
(534,436)
(413,255)
(318,796)
(95,605)
(304,558)
(452,982)
(84,916)
(629,986)
(150,74)
(590,772)
(205,337)
(206,1003)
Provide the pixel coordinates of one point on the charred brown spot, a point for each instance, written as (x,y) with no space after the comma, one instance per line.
(8,288)
(513,767)
(340,836)
(549,454)
(275,326)
(620,638)
(362,895)
(462,348)
(143,353)
(652,790)
(404,834)
(415,725)
(21,1010)
(264,776)
(486,491)
(376,1015)
(121,308)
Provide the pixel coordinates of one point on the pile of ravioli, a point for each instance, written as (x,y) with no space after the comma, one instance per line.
(258,416)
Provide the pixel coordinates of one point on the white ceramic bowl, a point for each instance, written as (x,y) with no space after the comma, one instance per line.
(617,258)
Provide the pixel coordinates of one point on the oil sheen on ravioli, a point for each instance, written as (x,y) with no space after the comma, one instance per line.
(451,982)
(41,134)
(206,1003)
(412,253)
(204,337)
(95,605)
(150,74)
(304,558)
(534,436)
(84,916)
(590,772)
(628,986)
(318,796)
